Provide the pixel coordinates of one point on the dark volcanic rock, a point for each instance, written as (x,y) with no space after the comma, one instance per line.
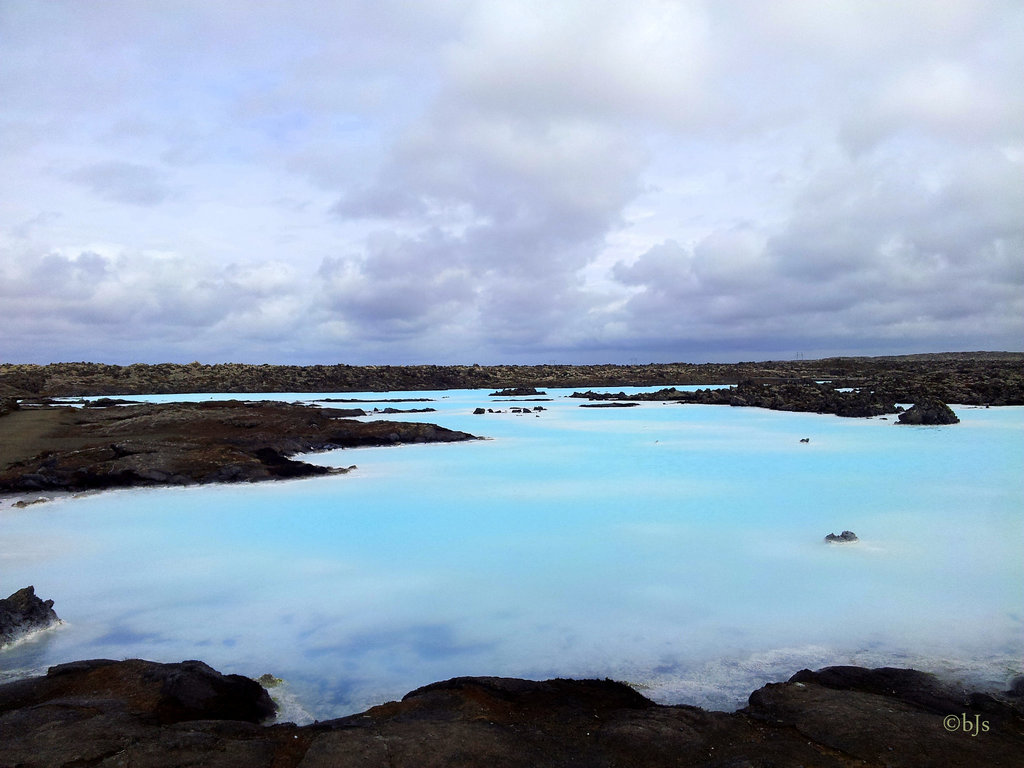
(929,410)
(971,378)
(845,536)
(892,717)
(135,713)
(24,612)
(106,402)
(59,448)
(516,392)
(804,396)
(1016,687)
(138,713)
(910,685)
(348,413)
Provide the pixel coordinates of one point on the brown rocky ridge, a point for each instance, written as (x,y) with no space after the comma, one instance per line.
(149,715)
(806,396)
(794,395)
(969,378)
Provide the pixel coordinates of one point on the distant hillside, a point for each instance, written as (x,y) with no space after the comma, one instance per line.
(962,377)
(955,356)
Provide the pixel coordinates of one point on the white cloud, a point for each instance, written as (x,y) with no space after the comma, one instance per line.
(598,59)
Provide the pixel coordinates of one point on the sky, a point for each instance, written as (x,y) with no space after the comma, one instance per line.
(489,181)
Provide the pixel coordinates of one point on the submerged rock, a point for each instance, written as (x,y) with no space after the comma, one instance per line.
(22,503)
(929,410)
(845,536)
(267,680)
(24,612)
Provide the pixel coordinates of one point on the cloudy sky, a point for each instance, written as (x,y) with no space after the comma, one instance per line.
(460,181)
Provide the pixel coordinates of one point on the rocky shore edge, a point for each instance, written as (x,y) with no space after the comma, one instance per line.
(143,713)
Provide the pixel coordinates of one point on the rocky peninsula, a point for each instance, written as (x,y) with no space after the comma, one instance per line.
(61,448)
(806,396)
(149,715)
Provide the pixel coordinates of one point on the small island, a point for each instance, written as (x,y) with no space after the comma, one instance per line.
(929,411)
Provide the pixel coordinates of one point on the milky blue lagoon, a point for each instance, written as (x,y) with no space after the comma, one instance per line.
(676,547)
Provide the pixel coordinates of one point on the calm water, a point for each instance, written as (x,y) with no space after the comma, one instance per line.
(675,547)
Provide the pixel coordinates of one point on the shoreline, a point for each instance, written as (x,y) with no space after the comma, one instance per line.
(141,712)
(970,377)
(713,683)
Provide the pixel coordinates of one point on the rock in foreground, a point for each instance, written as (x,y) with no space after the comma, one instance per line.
(24,612)
(143,714)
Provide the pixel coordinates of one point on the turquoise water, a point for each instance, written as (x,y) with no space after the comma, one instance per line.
(676,547)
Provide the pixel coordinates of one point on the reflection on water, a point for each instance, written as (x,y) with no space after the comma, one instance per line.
(676,547)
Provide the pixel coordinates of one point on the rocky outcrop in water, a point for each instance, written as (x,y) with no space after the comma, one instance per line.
(23,613)
(143,714)
(842,538)
(929,410)
(516,392)
(805,396)
(61,448)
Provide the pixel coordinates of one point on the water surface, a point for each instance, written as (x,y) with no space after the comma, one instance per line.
(677,547)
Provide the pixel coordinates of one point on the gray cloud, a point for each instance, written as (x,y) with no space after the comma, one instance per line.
(401,287)
(865,252)
(510,180)
(123,182)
